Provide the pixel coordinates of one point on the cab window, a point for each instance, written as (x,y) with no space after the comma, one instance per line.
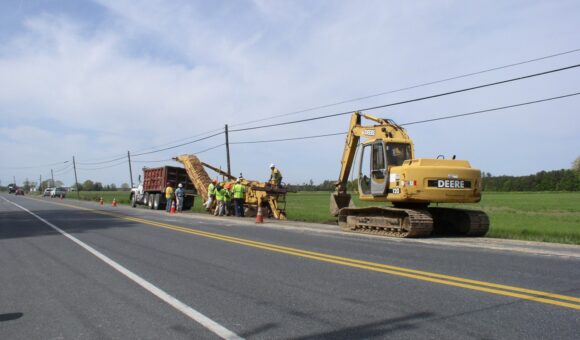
(378,161)
(397,153)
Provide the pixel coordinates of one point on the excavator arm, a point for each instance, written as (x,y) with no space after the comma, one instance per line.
(384,127)
(348,154)
(340,198)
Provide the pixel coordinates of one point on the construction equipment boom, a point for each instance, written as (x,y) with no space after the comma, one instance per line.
(258,193)
(388,172)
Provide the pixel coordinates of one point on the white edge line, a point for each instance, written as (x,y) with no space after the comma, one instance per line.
(208,323)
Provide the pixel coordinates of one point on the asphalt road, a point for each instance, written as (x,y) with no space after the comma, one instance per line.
(75,270)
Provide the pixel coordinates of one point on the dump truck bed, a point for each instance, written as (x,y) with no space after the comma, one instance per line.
(156,179)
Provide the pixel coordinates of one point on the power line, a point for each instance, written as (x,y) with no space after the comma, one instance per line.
(144,153)
(141,154)
(176,146)
(408,88)
(98,160)
(411,100)
(63,169)
(493,109)
(170,159)
(103,162)
(208,149)
(34,167)
(64,172)
(157,161)
(350,112)
(418,122)
(290,139)
(182,139)
(103,167)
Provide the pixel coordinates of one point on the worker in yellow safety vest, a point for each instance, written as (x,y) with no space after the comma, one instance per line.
(228,199)
(210,195)
(168,196)
(239,198)
(275,176)
(220,198)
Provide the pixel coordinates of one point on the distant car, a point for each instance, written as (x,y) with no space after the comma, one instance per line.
(11,188)
(19,192)
(47,192)
(58,192)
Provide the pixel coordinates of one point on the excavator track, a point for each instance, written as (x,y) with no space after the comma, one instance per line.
(385,221)
(464,222)
(409,223)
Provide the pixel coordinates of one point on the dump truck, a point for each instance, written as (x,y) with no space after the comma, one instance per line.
(258,194)
(389,172)
(151,191)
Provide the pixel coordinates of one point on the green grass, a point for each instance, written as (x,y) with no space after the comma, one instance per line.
(533,216)
(122,197)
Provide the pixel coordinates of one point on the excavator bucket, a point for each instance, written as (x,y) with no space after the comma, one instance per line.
(339,201)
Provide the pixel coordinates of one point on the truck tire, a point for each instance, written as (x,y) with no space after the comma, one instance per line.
(133,200)
(156,199)
(150,201)
(145,198)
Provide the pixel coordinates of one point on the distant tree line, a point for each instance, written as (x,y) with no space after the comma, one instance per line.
(557,180)
(327,185)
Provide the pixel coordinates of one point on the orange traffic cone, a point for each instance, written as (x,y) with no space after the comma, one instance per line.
(114,204)
(172,210)
(259,217)
(101,201)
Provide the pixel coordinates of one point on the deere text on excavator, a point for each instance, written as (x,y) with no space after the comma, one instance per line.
(388,172)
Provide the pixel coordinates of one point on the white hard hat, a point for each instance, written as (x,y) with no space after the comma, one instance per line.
(180,185)
(271,165)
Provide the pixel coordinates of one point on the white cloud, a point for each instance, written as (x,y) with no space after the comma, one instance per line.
(156,71)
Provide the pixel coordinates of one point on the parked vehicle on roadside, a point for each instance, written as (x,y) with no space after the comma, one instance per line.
(11,188)
(19,192)
(151,192)
(47,192)
(58,192)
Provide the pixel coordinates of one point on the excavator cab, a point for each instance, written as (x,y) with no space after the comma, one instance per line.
(376,159)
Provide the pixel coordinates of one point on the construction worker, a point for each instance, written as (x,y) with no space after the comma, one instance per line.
(219,196)
(210,194)
(179,196)
(227,199)
(239,198)
(168,196)
(275,176)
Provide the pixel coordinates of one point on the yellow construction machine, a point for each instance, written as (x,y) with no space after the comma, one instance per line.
(389,172)
(258,194)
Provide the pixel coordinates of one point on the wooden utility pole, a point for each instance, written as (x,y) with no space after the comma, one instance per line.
(76,179)
(228,150)
(130,171)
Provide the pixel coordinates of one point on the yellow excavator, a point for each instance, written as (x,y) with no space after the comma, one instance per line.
(389,172)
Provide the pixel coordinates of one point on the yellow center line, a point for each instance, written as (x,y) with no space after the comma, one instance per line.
(488,287)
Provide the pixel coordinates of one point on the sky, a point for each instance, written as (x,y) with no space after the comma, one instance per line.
(98,79)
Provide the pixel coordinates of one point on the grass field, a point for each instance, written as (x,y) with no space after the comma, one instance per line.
(533,216)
